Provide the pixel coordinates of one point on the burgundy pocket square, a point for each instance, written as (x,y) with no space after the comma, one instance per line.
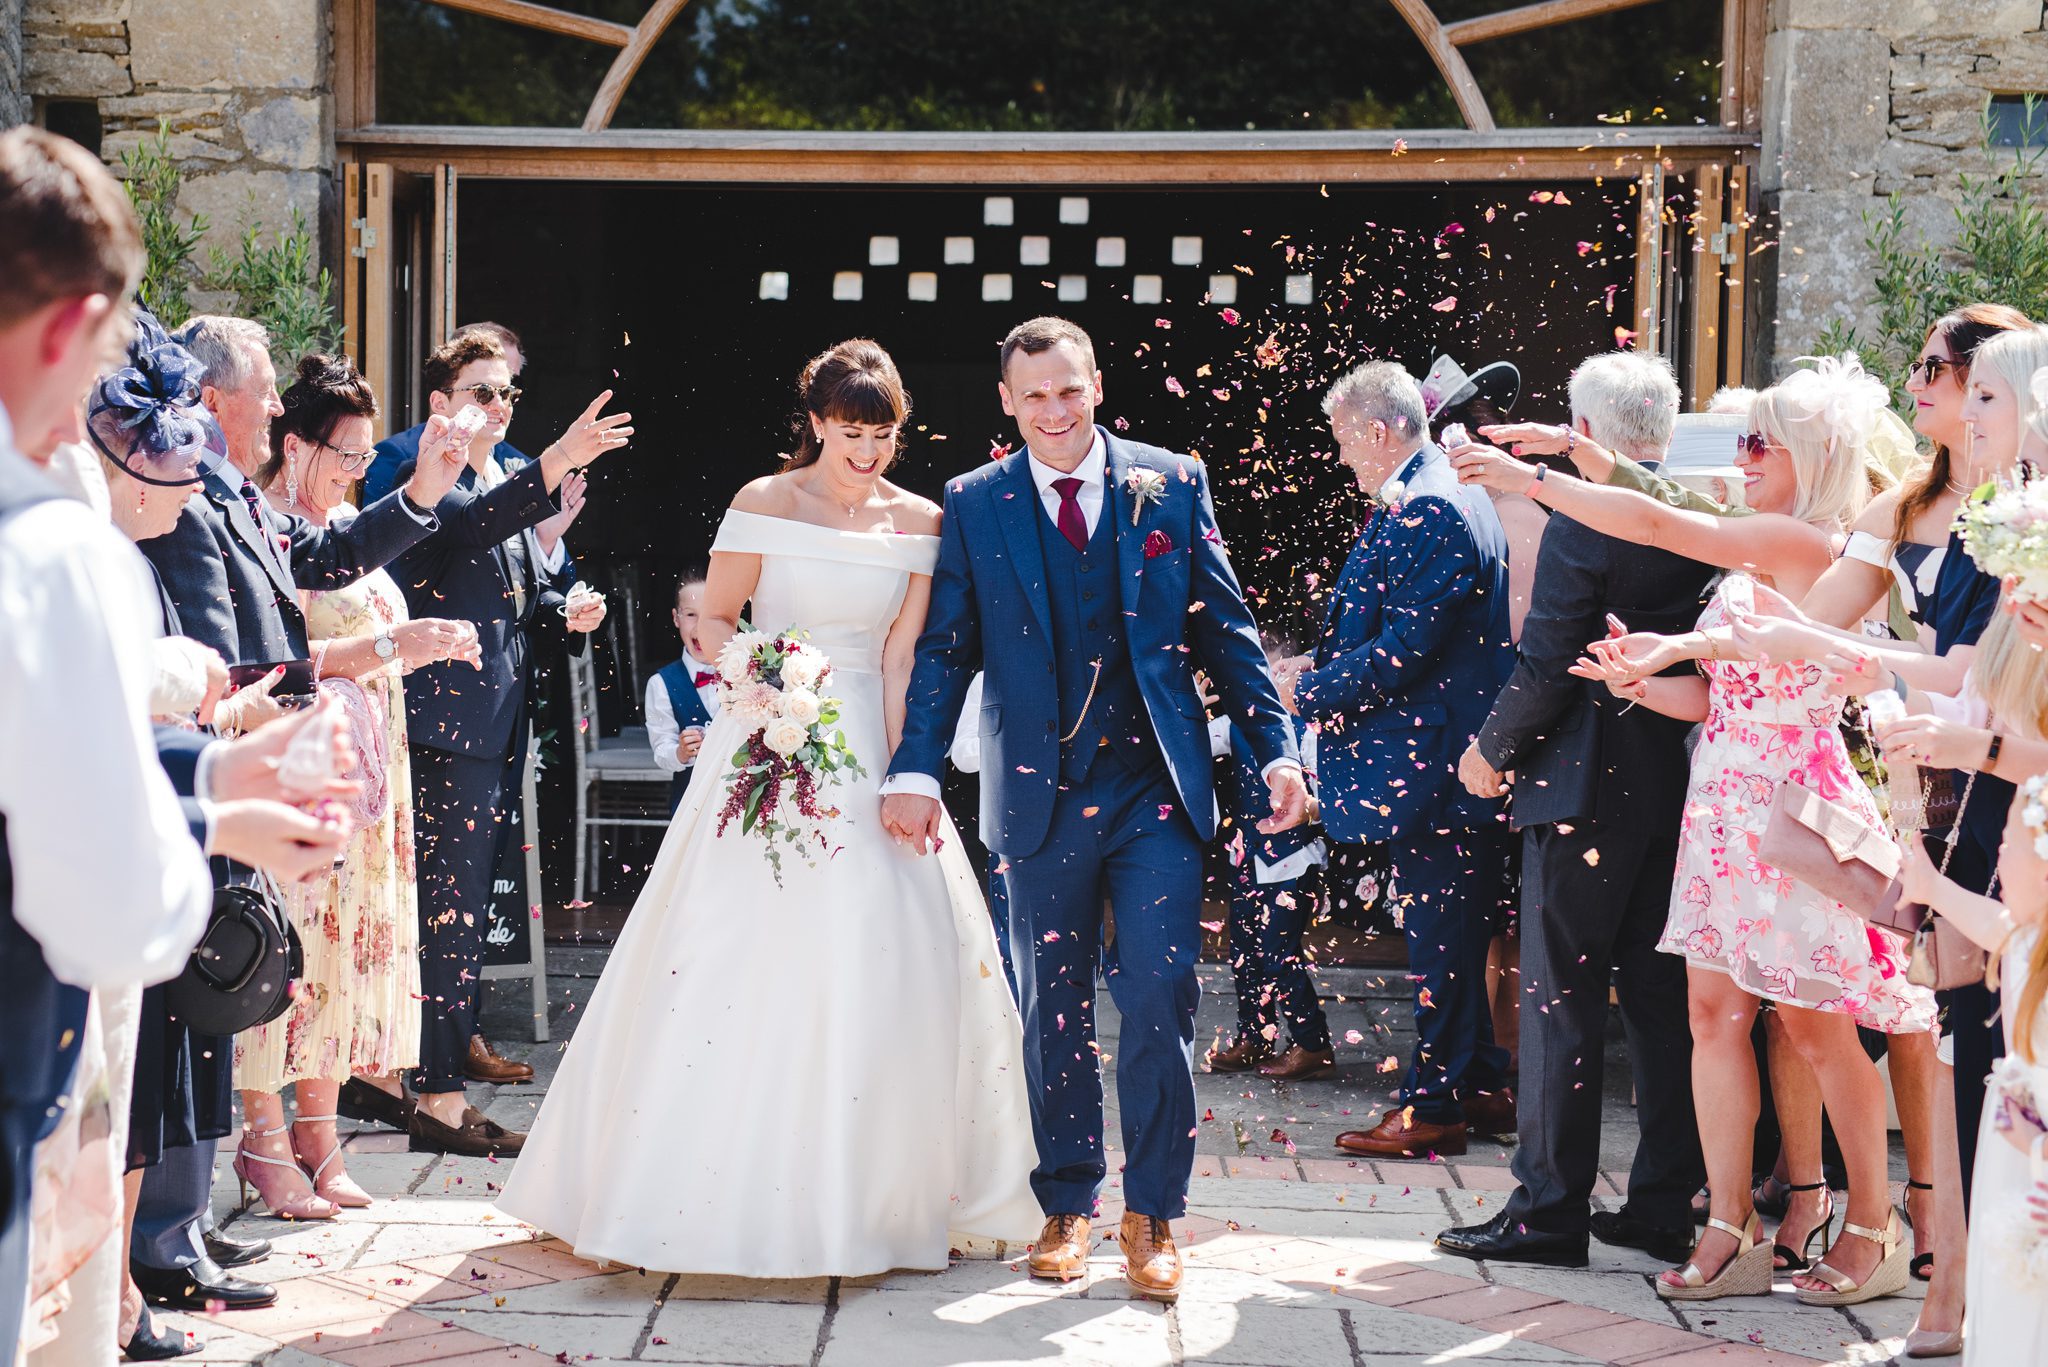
(1157,543)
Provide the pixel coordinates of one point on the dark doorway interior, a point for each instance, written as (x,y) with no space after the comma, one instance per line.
(656,290)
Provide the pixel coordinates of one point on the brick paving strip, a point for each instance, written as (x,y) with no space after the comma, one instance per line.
(1291,1262)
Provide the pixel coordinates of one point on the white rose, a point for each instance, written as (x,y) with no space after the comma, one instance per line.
(737,653)
(785,736)
(800,705)
(803,668)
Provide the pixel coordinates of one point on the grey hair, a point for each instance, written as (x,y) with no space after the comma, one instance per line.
(1380,391)
(1628,400)
(217,340)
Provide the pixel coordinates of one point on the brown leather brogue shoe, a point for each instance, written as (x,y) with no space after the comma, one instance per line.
(1490,1113)
(1299,1064)
(1400,1135)
(477,1137)
(1152,1263)
(485,1064)
(1241,1055)
(1061,1253)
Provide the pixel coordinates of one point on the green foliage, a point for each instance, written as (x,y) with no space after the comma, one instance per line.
(1048,66)
(277,284)
(1999,256)
(152,179)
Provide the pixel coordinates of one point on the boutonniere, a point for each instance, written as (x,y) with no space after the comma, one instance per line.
(1147,486)
(1396,491)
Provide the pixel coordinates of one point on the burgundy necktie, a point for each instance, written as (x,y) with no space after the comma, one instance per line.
(1072,524)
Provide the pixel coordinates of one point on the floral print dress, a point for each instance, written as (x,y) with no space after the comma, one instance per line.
(358,1007)
(1731,912)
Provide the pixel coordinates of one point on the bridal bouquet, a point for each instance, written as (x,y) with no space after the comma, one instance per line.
(2005,527)
(793,749)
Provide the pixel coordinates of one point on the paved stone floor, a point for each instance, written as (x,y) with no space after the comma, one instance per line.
(1296,1258)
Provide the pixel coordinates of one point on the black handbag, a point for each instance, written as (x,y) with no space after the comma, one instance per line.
(244,969)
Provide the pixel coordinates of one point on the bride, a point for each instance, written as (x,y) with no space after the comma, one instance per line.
(821,1076)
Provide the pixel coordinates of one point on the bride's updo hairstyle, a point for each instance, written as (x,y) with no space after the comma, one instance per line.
(855,381)
(1827,417)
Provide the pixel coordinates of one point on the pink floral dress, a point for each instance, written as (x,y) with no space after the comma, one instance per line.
(1730,911)
(357,1010)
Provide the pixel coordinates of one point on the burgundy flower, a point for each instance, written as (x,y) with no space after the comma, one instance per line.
(1157,543)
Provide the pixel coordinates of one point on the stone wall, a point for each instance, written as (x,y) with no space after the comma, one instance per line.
(1863,98)
(244,87)
(13,99)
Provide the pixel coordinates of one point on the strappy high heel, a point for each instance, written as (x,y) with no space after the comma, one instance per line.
(259,1171)
(1922,1267)
(340,1188)
(1746,1273)
(1888,1279)
(1800,1259)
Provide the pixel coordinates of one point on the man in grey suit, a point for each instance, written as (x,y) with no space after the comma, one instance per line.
(1598,789)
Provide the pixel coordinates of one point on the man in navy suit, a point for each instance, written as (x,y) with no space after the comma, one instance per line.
(468,733)
(1415,646)
(1098,563)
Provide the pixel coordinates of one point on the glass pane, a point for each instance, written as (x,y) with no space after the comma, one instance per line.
(1047,65)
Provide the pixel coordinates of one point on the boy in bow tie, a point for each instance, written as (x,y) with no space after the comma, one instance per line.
(682,697)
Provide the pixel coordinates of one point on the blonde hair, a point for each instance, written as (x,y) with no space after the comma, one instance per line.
(2012,678)
(2036,403)
(1826,417)
(2014,357)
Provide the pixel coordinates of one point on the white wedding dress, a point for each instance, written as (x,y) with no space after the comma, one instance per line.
(819,1078)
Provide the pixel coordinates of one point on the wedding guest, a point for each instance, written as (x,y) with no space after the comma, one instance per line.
(1269,911)
(1745,934)
(78,767)
(1488,395)
(233,567)
(1886,581)
(468,736)
(682,697)
(357,1010)
(2008,1317)
(1413,649)
(399,449)
(1599,787)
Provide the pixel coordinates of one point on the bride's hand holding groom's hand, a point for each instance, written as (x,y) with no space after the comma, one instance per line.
(913,819)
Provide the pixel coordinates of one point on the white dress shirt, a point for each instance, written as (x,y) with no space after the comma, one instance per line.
(965,751)
(1093,472)
(106,875)
(663,731)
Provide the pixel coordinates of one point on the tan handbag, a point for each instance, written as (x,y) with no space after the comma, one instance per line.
(1943,957)
(1833,850)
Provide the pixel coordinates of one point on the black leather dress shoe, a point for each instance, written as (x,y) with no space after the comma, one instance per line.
(1498,1241)
(229,1251)
(360,1101)
(202,1286)
(1623,1230)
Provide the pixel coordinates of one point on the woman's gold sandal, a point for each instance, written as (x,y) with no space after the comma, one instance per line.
(1746,1273)
(1887,1279)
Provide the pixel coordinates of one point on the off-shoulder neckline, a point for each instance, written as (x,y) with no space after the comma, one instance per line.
(831,531)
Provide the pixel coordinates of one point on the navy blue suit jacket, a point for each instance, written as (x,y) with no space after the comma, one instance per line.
(237,589)
(463,572)
(1414,649)
(401,450)
(1182,609)
(1246,803)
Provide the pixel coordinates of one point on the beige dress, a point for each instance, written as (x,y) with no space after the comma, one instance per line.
(358,1009)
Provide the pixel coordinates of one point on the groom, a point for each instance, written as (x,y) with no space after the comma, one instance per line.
(1097,564)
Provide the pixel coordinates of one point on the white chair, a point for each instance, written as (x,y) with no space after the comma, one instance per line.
(617,780)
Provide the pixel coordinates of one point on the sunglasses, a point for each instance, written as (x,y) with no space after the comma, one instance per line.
(1930,368)
(1754,444)
(486,392)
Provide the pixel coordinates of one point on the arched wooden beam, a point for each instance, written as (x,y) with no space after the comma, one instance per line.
(1458,76)
(626,65)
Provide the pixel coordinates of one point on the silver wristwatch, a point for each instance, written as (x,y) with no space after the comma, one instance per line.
(385,646)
